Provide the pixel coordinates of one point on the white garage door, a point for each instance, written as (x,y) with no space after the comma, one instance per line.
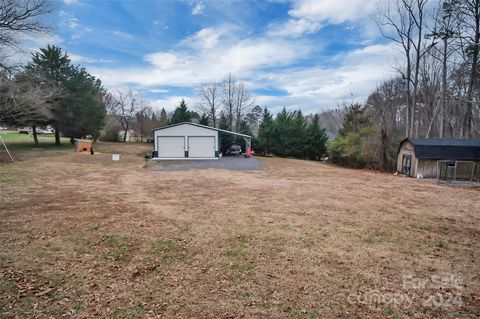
(201,146)
(171,146)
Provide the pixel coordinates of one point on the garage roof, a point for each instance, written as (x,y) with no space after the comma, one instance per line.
(204,126)
(451,149)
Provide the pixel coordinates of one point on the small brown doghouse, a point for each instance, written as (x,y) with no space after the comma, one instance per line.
(83,146)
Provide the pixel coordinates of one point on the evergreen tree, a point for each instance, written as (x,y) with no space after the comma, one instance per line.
(181,114)
(163,121)
(349,148)
(204,119)
(225,139)
(296,140)
(281,133)
(78,108)
(245,128)
(355,119)
(316,139)
(53,65)
(82,111)
(265,138)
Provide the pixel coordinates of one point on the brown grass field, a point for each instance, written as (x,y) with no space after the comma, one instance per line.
(84,237)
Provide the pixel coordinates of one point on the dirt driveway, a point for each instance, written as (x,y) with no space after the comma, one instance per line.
(86,237)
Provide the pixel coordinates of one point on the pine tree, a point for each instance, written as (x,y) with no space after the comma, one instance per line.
(316,138)
(264,143)
(163,118)
(348,148)
(354,120)
(53,65)
(281,134)
(245,128)
(204,119)
(297,137)
(181,114)
(82,110)
(78,108)
(225,139)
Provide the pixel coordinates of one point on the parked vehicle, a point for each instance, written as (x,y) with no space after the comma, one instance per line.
(47,130)
(233,149)
(24,130)
(3,128)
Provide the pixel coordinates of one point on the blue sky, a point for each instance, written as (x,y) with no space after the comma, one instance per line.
(311,55)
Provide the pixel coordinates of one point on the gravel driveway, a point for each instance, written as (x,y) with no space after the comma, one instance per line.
(237,163)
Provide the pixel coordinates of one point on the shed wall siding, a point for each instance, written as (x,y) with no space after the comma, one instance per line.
(427,167)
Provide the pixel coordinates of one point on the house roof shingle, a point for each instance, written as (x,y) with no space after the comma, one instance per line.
(446,149)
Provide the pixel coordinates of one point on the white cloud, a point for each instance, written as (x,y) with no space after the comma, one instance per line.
(243,58)
(170,103)
(294,28)
(124,35)
(309,16)
(83,59)
(159,91)
(207,38)
(322,87)
(333,11)
(311,88)
(71,1)
(198,8)
(267,62)
(68,20)
(167,60)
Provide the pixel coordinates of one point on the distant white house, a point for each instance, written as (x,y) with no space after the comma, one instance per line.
(132,137)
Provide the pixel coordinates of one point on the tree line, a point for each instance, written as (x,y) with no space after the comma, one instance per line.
(291,134)
(50,90)
(436,92)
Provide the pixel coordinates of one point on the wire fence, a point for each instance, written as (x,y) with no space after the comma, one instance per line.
(458,171)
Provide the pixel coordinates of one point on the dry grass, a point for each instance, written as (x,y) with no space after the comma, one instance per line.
(83,236)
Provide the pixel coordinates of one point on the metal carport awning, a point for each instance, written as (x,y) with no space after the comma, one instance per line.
(246,138)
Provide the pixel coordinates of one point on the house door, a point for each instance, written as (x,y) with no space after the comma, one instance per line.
(407,164)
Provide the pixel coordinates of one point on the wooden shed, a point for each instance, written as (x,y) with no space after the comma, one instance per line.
(420,156)
(83,146)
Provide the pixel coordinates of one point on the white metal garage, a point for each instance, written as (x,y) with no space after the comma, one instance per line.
(189,141)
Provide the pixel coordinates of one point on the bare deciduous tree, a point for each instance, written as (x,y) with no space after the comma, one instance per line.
(209,95)
(444,31)
(470,45)
(243,102)
(407,19)
(229,88)
(24,101)
(236,101)
(397,25)
(125,107)
(19,17)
